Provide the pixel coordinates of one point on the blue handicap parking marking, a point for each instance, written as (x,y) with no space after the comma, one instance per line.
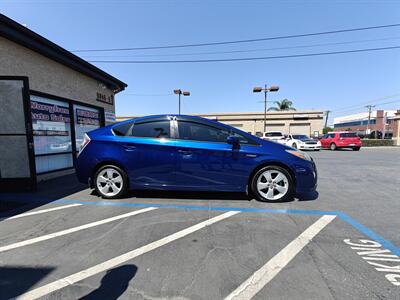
(344,217)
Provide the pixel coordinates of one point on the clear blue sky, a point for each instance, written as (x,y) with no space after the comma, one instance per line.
(326,82)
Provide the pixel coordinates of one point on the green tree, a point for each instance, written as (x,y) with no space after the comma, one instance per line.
(284,104)
(327,129)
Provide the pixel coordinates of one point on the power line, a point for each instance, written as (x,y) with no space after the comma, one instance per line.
(244,51)
(240,41)
(363,106)
(346,108)
(240,59)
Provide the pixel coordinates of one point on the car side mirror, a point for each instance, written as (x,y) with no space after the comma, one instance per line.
(234,141)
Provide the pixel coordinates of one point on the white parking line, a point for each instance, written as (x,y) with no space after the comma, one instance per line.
(73,229)
(261,277)
(71,279)
(37,212)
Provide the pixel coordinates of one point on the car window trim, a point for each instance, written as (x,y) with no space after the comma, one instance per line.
(212,126)
(146,137)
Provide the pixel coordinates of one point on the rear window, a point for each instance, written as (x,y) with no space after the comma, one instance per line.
(348,135)
(300,137)
(273,134)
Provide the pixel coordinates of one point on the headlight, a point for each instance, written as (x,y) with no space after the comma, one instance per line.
(300,154)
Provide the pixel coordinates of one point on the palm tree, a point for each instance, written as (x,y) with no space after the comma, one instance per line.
(284,104)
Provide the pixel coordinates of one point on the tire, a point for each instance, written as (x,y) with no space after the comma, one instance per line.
(112,177)
(294,145)
(356,149)
(333,147)
(263,178)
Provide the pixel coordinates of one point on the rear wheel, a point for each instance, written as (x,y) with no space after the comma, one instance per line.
(272,184)
(356,148)
(333,147)
(110,182)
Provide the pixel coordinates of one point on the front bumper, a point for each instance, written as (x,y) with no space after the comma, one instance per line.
(306,177)
(309,147)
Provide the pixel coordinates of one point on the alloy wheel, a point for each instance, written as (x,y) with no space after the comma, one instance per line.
(272,184)
(109,182)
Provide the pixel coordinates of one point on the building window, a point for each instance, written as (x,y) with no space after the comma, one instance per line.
(51,124)
(86,119)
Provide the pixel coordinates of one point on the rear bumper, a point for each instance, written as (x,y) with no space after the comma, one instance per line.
(347,144)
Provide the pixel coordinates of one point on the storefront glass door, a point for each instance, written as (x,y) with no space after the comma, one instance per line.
(17,165)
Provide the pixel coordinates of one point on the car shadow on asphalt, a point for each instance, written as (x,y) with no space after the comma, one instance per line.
(308,196)
(114,283)
(195,195)
(185,195)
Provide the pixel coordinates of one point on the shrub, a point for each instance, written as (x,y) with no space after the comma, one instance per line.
(376,143)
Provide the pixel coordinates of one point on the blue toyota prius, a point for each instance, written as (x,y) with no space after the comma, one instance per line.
(187,153)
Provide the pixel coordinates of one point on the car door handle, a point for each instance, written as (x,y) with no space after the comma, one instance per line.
(185,152)
(129,148)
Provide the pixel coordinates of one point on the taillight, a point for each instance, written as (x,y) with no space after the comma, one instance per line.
(86,141)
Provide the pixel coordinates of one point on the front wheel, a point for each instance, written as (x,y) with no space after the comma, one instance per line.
(272,184)
(356,149)
(110,182)
(294,145)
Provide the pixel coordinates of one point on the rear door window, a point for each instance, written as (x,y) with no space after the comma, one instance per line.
(158,129)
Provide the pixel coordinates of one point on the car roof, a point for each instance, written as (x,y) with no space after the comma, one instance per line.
(179,117)
(341,132)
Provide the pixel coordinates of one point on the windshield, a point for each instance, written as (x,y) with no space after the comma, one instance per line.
(300,137)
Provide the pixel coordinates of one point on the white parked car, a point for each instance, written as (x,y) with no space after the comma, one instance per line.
(274,136)
(303,142)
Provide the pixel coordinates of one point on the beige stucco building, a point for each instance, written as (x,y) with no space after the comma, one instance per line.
(49,98)
(308,122)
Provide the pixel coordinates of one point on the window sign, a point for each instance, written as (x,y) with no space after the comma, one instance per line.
(109,116)
(86,119)
(51,125)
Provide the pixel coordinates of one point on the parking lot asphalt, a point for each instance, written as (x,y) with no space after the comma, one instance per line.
(340,244)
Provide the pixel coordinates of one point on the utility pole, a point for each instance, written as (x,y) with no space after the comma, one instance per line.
(326,117)
(369,116)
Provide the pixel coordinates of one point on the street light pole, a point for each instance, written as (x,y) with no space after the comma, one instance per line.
(179,97)
(265,90)
(265,107)
(179,93)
